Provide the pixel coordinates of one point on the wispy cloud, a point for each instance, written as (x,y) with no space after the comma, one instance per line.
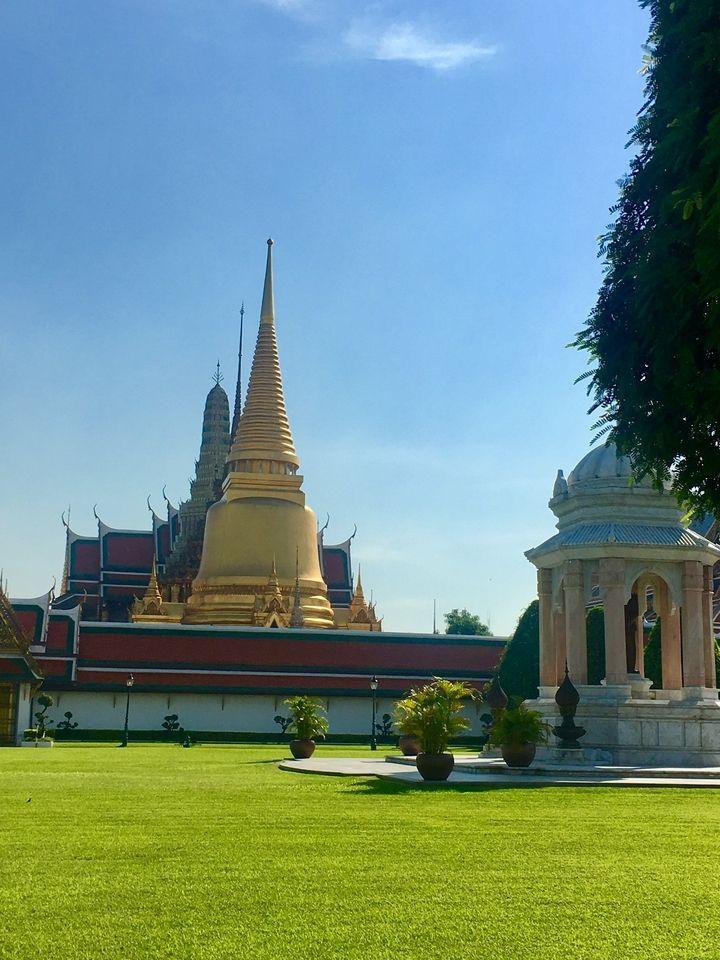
(410,43)
(298,9)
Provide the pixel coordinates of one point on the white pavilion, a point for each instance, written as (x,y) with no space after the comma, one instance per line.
(622,543)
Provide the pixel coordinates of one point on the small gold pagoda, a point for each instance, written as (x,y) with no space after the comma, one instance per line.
(261,526)
(360,615)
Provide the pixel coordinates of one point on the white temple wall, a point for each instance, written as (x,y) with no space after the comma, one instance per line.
(218,713)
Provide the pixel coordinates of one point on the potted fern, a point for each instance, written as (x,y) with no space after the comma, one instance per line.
(518,732)
(308,722)
(434,714)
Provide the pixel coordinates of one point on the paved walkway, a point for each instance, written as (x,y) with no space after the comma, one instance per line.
(481,772)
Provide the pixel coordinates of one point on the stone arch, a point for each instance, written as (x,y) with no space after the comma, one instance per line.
(666,604)
(669,573)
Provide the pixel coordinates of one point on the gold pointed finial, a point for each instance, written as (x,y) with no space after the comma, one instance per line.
(358,589)
(263,431)
(273,582)
(267,311)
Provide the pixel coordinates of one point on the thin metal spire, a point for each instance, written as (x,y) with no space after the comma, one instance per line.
(297,618)
(237,410)
(217,376)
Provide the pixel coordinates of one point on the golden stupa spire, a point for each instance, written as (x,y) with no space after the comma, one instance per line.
(263,441)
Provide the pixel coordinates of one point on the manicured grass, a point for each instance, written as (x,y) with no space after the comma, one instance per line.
(160,852)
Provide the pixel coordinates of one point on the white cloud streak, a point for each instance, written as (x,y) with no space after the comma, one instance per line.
(409,43)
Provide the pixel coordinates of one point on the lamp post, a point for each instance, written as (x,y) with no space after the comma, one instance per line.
(373,688)
(128,683)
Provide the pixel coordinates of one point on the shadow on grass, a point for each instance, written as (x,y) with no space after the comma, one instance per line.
(374,786)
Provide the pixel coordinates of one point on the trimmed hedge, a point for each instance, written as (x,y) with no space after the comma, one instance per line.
(214,736)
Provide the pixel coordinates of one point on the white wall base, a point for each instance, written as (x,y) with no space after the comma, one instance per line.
(216,713)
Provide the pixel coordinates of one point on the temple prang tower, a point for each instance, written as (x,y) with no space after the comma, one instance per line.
(182,564)
(262,528)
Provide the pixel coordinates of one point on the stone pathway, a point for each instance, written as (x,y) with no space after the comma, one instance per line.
(483,772)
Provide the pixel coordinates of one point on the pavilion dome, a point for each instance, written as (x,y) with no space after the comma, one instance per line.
(604,463)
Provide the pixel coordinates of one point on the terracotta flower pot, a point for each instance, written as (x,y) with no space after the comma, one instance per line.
(518,754)
(408,745)
(435,766)
(302,749)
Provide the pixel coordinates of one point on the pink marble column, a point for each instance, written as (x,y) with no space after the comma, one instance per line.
(559,635)
(640,633)
(547,640)
(693,632)
(612,588)
(709,638)
(575,621)
(669,640)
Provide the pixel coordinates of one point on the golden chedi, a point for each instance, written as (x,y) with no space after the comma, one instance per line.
(261,530)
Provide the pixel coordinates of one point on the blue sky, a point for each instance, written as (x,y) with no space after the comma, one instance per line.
(434,176)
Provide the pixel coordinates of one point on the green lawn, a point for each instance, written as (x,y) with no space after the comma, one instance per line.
(212,852)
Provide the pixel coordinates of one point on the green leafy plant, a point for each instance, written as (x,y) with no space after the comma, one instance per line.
(434,713)
(43,721)
(383,727)
(171,723)
(68,723)
(518,726)
(307,720)
(283,722)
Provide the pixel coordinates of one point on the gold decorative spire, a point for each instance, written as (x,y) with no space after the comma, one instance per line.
(153,590)
(151,606)
(359,595)
(297,618)
(263,431)
(273,582)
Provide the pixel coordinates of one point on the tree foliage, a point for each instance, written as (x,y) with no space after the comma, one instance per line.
(595,628)
(520,664)
(464,622)
(653,657)
(654,334)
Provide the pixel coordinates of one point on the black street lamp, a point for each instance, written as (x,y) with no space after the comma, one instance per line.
(373,688)
(128,683)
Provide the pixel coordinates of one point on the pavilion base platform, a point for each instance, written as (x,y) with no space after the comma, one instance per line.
(472,770)
(628,724)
